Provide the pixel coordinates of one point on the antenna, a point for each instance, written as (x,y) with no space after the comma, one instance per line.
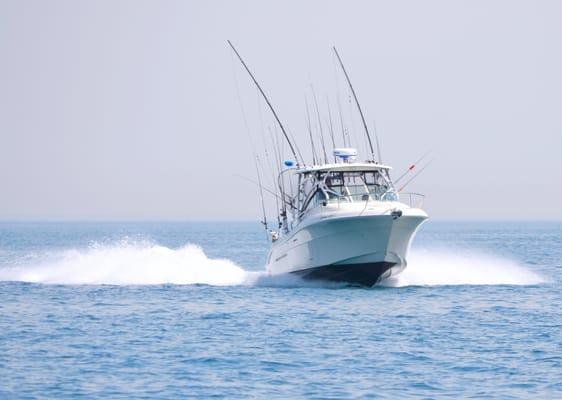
(356,102)
(267,101)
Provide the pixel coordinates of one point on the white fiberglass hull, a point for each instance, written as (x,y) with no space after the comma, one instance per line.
(344,246)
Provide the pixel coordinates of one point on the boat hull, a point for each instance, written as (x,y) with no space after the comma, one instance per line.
(362,274)
(358,250)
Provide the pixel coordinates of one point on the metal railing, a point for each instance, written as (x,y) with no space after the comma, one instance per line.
(414,200)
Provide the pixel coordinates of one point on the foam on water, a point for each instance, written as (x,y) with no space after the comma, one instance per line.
(129,264)
(147,263)
(447,267)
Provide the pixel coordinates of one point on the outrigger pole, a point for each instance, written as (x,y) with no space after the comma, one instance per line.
(356,102)
(267,101)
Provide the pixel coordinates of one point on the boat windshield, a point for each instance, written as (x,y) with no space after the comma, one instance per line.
(358,186)
(347,186)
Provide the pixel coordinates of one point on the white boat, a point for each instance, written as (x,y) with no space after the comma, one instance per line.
(346,223)
(343,221)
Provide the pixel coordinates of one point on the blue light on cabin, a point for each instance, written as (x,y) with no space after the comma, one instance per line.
(289,163)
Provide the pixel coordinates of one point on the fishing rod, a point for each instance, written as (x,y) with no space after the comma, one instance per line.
(330,123)
(277,169)
(338,100)
(331,126)
(319,125)
(415,175)
(254,152)
(342,124)
(377,141)
(357,103)
(264,222)
(411,167)
(271,192)
(277,149)
(297,147)
(277,183)
(267,101)
(310,131)
(266,152)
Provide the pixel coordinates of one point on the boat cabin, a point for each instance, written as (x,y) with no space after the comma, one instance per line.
(343,182)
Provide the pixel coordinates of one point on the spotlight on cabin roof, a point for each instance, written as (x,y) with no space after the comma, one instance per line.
(346,154)
(289,163)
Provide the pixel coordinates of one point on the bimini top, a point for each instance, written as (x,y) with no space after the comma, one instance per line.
(343,167)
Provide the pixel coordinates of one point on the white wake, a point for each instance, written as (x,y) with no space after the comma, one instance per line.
(447,267)
(129,264)
(151,264)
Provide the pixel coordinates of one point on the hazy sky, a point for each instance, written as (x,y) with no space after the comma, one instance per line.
(129,109)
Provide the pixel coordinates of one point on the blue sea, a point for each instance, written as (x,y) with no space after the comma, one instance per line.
(178,310)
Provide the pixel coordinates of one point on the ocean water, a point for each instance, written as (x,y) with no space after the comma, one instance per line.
(177,310)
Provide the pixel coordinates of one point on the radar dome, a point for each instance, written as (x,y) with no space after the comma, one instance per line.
(346,154)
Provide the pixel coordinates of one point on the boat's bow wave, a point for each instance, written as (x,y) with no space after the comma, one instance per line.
(152,264)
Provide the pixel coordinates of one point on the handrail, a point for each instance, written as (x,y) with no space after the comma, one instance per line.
(415,200)
(359,197)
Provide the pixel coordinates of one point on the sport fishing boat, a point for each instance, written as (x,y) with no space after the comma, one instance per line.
(346,223)
(342,221)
